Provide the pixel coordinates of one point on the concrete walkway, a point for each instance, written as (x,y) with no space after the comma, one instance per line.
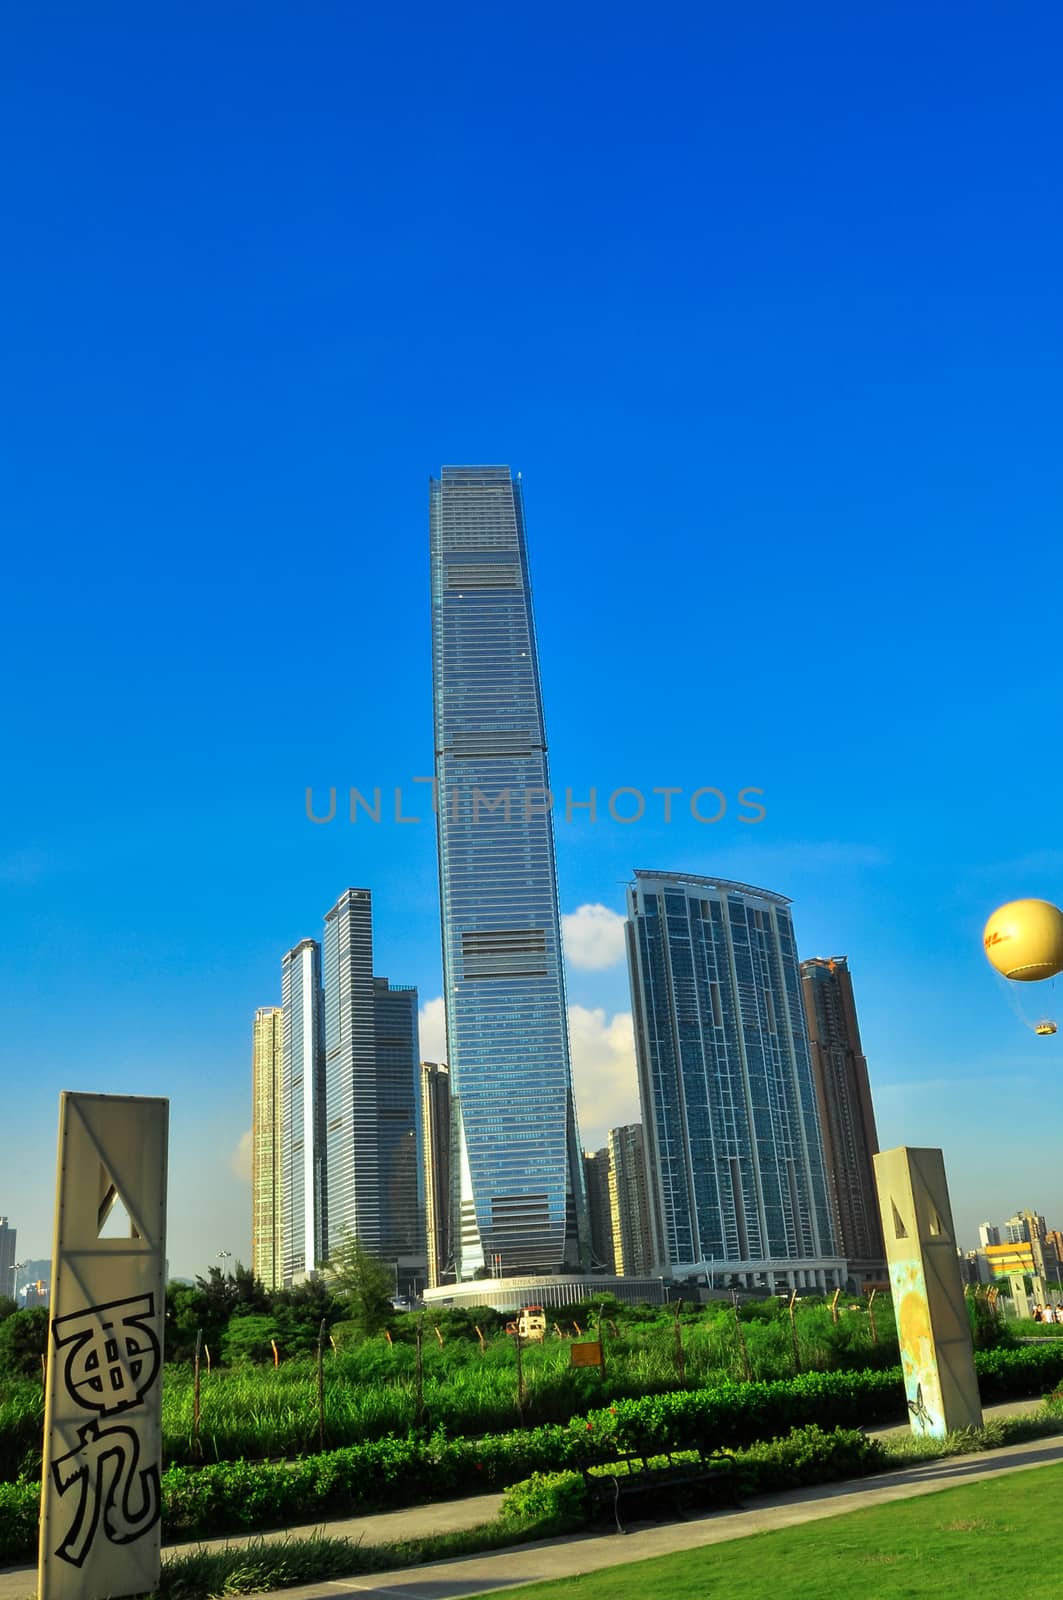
(569,1558)
(586,1553)
(385,1527)
(1008,1408)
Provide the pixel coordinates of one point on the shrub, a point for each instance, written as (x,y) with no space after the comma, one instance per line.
(809,1455)
(546,1503)
(1005,1374)
(23,1341)
(19,1512)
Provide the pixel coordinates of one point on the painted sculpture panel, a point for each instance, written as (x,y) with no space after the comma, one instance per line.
(100,1494)
(937,1353)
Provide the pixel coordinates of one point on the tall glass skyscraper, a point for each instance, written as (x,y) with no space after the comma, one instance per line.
(846,1113)
(304,1203)
(398,1119)
(519,1197)
(435,1159)
(372,1108)
(351,1102)
(734,1156)
(267,1147)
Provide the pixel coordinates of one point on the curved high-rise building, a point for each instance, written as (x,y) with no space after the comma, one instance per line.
(734,1155)
(518,1198)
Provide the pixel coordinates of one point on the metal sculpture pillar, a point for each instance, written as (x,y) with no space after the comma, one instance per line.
(100,1491)
(937,1352)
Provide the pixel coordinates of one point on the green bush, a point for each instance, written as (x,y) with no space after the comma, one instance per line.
(19,1513)
(546,1503)
(1005,1374)
(808,1455)
(21,1430)
(23,1341)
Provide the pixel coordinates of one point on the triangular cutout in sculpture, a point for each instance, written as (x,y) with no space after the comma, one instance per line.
(113,1220)
(899,1230)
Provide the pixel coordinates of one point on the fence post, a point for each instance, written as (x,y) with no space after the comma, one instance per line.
(196,1448)
(680,1358)
(520,1380)
(321,1385)
(743,1349)
(834,1306)
(419,1372)
(793,1333)
(480,1336)
(276,1353)
(871,1316)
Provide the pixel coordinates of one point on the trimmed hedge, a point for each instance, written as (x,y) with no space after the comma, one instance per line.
(1005,1374)
(555,1502)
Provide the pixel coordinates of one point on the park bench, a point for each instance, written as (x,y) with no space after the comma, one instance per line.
(661,1483)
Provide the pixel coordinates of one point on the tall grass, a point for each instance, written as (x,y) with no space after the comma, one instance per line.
(370,1389)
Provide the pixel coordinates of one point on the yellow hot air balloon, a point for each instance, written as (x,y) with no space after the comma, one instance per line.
(1024,942)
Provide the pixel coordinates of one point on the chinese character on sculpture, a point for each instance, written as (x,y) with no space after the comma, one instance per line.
(111,1358)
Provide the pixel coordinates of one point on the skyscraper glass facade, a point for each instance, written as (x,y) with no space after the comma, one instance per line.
(372,1108)
(267,1147)
(629,1202)
(398,1119)
(304,1202)
(846,1114)
(435,1156)
(8,1285)
(734,1156)
(519,1191)
(351,1102)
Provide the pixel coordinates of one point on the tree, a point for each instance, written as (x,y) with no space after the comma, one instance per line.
(8,1307)
(23,1341)
(299,1312)
(363,1284)
(249,1338)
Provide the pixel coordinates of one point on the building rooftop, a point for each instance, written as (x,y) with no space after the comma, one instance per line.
(726,884)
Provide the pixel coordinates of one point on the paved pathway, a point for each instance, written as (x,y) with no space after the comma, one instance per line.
(416,1522)
(533,1563)
(586,1553)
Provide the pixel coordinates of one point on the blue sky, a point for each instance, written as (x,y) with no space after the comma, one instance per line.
(765,305)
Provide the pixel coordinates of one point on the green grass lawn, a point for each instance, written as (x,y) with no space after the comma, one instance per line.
(945,1544)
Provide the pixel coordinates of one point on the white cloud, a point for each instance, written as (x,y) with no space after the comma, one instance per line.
(593,937)
(240,1159)
(433,1030)
(603,1071)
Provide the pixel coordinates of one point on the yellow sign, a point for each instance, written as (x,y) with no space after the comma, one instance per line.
(586,1355)
(100,1492)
